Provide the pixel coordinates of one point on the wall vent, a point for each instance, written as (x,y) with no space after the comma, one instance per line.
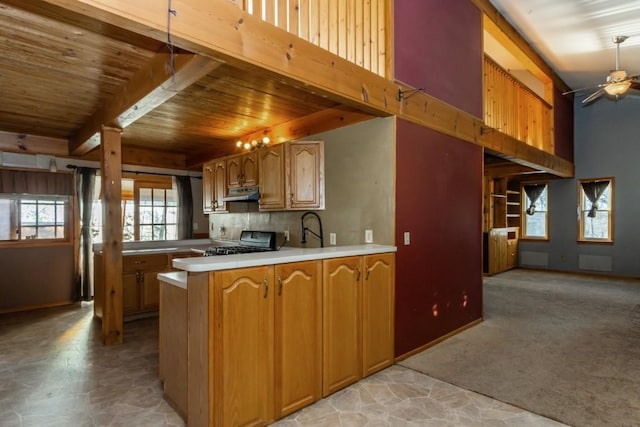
(595,262)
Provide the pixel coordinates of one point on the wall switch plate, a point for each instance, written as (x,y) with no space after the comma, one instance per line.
(195,226)
(407,238)
(286,235)
(368,236)
(332,239)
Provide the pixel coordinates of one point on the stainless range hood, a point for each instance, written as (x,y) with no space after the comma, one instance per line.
(243,194)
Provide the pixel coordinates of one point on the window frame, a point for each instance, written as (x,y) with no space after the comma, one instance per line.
(152,185)
(523,212)
(582,212)
(130,196)
(68,208)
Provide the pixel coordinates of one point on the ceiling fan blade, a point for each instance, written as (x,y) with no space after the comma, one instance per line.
(581,89)
(595,95)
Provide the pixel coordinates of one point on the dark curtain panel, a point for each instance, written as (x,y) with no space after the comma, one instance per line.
(185,207)
(85,184)
(593,190)
(36,182)
(533,193)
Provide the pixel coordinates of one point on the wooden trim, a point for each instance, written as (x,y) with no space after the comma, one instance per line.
(515,39)
(437,340)
(36,307)
(33,144)
(220,30)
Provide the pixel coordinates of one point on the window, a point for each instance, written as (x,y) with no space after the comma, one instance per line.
(535,209)
(34,217)
(157,213)
(595,216)
(149,210)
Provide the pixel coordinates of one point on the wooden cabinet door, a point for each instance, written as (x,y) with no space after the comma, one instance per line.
(219,186)
(497,250)
(271,177)
(130,295)
(249,163)
(512,253)
(342,323)
(149,290)
(208,184)
(305,187)
(298,336)
(243,346)
(234,172)
(378,290)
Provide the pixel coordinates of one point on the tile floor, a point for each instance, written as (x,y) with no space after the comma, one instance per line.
(55,372)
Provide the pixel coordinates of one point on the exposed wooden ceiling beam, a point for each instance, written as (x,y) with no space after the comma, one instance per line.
(33,144)
(220,29)
(150,87)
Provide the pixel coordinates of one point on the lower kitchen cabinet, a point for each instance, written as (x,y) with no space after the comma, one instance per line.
(140,286)
(243,347)
(358,335)
(378,308)
(264,342)
(298,336)
(342,323)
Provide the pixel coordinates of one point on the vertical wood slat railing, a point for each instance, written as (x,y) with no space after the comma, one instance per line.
(513,109)
(355,30)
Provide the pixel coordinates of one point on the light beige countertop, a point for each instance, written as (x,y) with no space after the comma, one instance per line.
(165,246)
(176,278)
(284,255)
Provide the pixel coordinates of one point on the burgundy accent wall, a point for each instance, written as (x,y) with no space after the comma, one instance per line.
(563,125)
(438,47)
(439,201)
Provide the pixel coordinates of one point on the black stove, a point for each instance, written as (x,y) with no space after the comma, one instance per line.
(250,242)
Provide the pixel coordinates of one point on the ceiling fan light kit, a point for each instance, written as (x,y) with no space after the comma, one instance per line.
(618,82)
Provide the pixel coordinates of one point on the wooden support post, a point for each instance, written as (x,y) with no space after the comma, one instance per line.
(111,167)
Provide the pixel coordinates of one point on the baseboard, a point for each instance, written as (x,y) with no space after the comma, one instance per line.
(35,307)
(437,340)
(604,275)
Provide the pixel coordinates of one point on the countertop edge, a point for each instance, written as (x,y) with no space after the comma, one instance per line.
(283,256)
(176,278)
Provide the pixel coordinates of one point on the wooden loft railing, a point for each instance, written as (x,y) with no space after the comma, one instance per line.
(355,30)
(513,109)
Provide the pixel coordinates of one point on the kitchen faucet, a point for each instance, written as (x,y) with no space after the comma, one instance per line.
(307,229)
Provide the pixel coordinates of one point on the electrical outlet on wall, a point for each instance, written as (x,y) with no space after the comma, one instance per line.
(368,236)
(286,235)
(332,239)
(407,238)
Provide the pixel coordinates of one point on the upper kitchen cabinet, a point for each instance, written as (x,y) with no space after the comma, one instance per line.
(305,173)
(242,170)
(292,176)
(214,186)
(271,172)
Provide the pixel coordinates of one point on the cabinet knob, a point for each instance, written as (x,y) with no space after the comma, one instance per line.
(357,274)
(266,287)
(279,285)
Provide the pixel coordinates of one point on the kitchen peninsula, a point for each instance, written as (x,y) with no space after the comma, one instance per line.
(248,339)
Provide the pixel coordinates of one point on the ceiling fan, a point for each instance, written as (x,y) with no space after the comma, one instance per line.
(618,82)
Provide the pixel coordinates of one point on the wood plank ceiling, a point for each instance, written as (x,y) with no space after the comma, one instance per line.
(61,76)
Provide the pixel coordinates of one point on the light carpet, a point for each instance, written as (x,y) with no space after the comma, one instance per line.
(561,345)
